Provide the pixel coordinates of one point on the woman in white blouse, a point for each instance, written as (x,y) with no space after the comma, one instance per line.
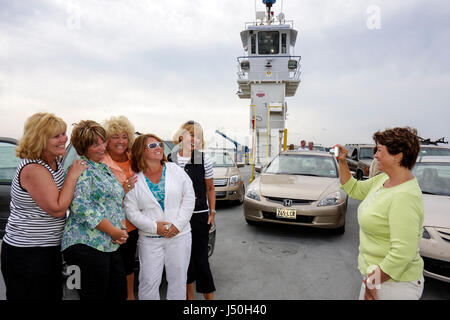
(160,206)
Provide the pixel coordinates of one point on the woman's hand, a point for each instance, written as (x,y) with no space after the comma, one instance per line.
(129,184)
(211,219)
(119,236)
(162,228)
(77,168)
(172,231)
(342,153)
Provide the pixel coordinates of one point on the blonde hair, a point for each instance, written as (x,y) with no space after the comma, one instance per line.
(138,149)
(38,129)
(85,134)
(117,125)
(193,128)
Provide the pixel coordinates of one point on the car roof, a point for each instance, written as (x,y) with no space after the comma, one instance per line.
(360,145)
(434,159)
(433,146)
(307,152)
(7,139)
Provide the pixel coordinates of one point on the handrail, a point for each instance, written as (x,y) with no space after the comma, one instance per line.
(253,143)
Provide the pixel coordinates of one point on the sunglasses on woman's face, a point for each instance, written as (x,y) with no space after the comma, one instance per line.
(153,145)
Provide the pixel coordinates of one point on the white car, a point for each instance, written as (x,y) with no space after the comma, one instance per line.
(433,174)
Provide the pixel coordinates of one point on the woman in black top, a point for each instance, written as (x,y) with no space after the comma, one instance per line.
(198,166)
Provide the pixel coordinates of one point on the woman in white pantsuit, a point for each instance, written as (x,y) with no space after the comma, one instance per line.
(160,206)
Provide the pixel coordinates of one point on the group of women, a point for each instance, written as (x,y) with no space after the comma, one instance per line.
(121,192)
(124,191)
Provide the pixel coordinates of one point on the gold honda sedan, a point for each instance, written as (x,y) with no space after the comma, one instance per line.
(298,188)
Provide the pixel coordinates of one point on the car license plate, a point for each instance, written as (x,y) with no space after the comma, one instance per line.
(289,213)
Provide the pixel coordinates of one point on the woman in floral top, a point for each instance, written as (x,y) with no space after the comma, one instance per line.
(94,229)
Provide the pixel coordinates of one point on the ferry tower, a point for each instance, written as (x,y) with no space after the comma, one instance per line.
(267,74)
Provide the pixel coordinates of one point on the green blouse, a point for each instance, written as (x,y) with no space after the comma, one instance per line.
(391,226)
(98,195)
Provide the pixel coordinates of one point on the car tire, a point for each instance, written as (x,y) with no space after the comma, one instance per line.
(340,230)
(250,222)
(359,175)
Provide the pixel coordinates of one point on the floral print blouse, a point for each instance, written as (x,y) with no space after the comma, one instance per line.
(98,195)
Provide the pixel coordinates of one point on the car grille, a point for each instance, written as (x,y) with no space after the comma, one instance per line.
(221,194)
(299,218)
(295,202)
(220,182)
(437,266)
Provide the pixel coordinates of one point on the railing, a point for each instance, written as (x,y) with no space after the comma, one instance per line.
(294,74)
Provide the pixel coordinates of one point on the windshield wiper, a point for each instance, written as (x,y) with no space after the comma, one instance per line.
(427,192)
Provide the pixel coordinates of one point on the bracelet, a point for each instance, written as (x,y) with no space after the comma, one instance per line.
(212,211)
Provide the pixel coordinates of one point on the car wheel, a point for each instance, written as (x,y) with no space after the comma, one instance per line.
(359,175)
(250,222)
(340,230)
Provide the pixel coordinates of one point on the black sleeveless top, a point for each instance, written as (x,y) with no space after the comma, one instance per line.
(196,171)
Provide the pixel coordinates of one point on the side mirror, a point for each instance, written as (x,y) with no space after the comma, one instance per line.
(240,165)
(258,169)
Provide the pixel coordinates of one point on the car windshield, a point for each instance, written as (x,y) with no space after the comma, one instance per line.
(8,161)
(430,151)
(221,159)
(366,153)
(301,164)
(433,178)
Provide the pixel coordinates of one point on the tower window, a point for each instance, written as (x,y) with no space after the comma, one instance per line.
(268,42)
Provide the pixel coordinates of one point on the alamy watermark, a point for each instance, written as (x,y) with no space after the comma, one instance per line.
(373,21)
(74,279)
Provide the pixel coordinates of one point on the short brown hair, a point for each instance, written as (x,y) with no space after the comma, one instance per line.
(138,149)
(404,140)
(38,129)
(85,134)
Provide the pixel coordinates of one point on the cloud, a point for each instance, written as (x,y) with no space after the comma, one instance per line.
(162,63)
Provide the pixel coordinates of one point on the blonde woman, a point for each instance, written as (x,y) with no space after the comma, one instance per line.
(40,195)
(120,139)
(198,166)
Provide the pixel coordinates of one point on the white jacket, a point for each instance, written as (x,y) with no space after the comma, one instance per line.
(143,210)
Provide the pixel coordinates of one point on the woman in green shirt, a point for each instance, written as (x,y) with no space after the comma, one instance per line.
(390,218)
(96,225)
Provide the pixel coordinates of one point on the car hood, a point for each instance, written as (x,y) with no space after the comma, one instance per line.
(436,211)
(367,161)
(225,172)
(297,186)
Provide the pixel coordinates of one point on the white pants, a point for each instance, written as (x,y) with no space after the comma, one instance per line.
(403,290)
(157,253)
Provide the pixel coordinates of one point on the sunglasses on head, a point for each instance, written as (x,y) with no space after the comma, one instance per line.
(153,145)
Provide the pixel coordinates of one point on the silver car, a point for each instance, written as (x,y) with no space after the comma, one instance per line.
(433,175)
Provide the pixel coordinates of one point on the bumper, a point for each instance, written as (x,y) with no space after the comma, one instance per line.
(329,217)
(230,193)
(435,253)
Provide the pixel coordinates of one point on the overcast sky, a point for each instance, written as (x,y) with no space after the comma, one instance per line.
(366,65)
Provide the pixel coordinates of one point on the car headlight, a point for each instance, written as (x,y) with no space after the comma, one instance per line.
(332,199)
(425,234)
(234,180)
(252,194)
